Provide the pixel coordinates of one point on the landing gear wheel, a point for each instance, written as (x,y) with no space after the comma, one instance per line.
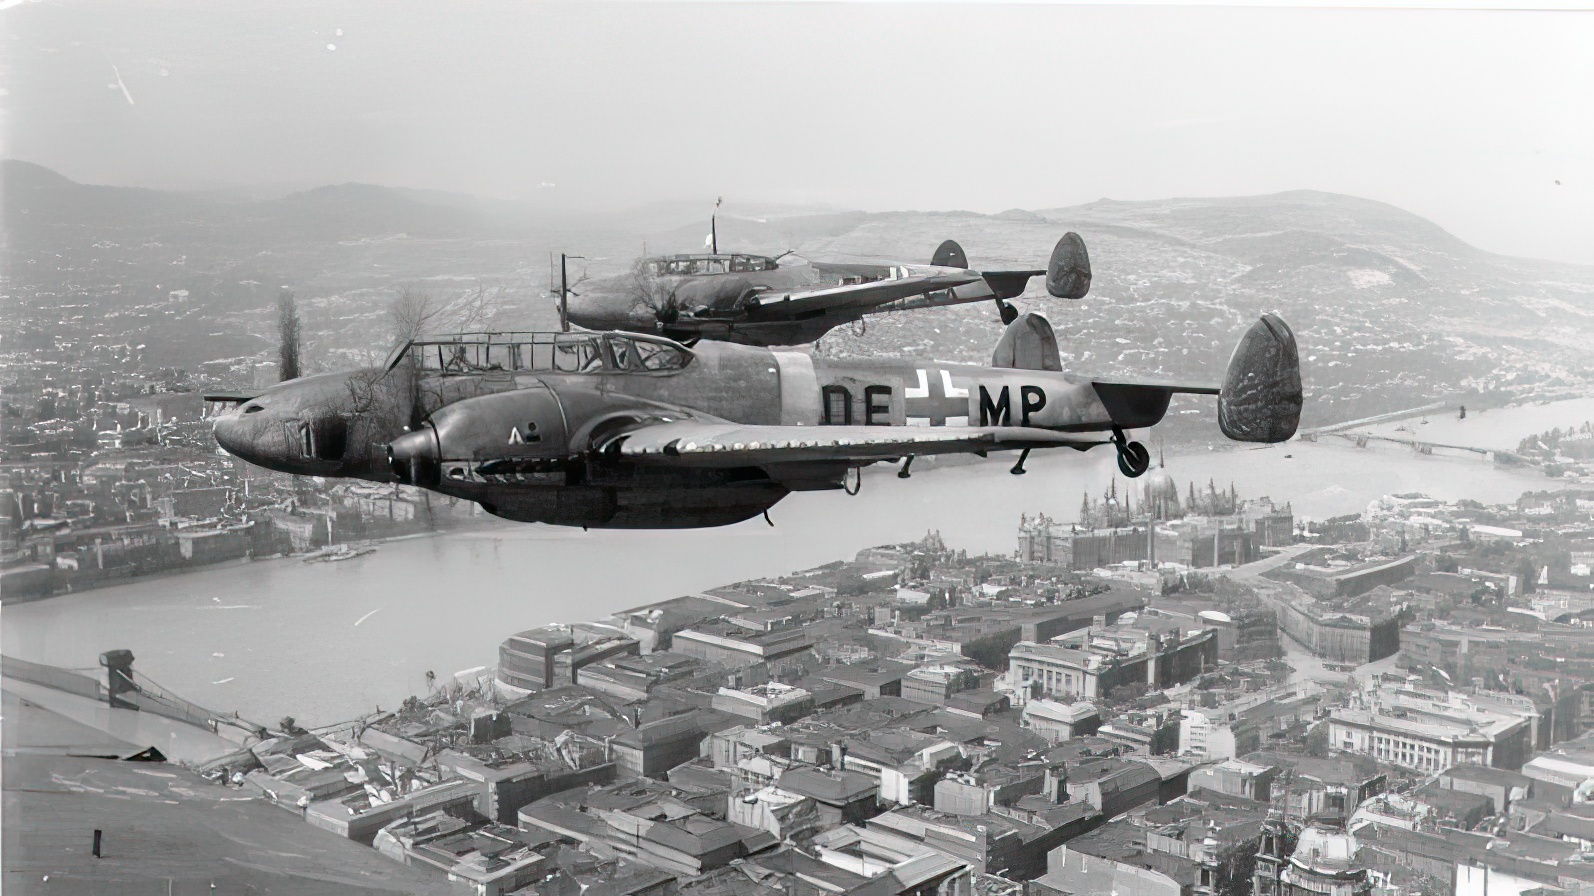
(1008,312)
(1133,459)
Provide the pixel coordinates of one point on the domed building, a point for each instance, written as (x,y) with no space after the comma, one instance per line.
(1319,861)
(1159,493)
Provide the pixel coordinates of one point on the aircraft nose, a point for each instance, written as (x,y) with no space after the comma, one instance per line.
(229,434)
(580,309)
(300,427)
(606,304)
(250,435)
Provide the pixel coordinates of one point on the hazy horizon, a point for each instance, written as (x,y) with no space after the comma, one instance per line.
(1467,118)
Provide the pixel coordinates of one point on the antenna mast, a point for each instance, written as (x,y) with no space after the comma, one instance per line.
(564,295)
(713,226)
(564,288)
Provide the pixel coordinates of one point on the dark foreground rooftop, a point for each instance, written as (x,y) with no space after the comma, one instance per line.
(163,823)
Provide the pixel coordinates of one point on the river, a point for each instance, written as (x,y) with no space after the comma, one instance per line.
(327,641)
(1500,428)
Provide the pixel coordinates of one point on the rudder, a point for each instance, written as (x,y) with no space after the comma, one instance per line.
(950,255)
(1028,343)
(1261,396)
(1068,270)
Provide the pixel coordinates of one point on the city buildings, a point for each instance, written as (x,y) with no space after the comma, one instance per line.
(1236,777)
(733,645)
(1319,861)
(553,655)
(1430,731)
(765,703)
(1356,629)
(1217,734)
(988,725)
(1093,662)
(1111,533)
(1058,722)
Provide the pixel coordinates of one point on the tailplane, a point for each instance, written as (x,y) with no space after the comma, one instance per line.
(1067,272)
(1261,396)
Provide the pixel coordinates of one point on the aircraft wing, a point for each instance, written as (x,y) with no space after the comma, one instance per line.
(231,396)
(782,306)
(701,443)
(996,284)
(867,270)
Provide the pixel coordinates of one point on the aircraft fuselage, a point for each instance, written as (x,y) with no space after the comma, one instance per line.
(716,297)
(520,441)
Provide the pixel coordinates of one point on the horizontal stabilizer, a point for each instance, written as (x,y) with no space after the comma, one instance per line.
(1009,284)
(1140,405)
(1261,396)
(1068,272)
(1028,343)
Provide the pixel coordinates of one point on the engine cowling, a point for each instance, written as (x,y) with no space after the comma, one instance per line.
(523,429)
(414,458)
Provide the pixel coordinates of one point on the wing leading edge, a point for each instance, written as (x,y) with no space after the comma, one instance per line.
(694,443)
(796,305)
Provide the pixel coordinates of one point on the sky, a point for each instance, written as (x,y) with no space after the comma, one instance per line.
(1480,120)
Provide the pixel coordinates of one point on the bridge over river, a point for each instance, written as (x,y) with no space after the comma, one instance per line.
(1357,431)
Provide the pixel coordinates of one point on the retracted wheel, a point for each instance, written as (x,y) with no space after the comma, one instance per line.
(1133,459)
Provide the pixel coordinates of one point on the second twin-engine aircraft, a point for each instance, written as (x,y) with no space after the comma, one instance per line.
(757,300)
(627,430)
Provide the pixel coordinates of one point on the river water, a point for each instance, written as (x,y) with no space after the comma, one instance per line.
(327,641)
(1500,428)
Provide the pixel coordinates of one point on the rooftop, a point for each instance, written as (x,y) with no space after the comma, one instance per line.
(1484,774)
(834,787)
(1069,713)
(1324,850)
(913,821)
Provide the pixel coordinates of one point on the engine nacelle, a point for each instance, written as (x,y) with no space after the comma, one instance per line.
(528,435)
(524,427)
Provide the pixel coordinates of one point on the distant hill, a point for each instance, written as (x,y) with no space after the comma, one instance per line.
(39,203)
(37,199)
(348,211)
(1391,310)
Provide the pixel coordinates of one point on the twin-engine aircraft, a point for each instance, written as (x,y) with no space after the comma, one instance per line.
(628,430)
(757,300)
